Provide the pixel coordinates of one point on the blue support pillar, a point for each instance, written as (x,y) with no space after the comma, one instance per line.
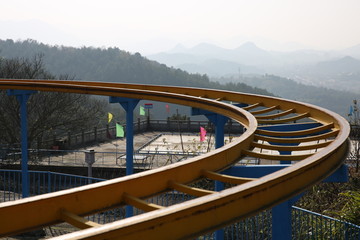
(129,105)
(281,219)
(219,121)
(281,213)
(23,96)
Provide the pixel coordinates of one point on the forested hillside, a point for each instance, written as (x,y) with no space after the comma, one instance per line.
(335,100)
(115,65)
(111,65)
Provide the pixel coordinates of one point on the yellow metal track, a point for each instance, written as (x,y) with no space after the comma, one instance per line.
(210,210)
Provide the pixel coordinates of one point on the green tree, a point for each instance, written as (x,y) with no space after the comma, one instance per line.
(350,212)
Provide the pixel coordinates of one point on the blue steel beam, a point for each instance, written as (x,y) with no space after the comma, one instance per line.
(258,171)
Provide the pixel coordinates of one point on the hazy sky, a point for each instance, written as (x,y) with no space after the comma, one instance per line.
(156,25)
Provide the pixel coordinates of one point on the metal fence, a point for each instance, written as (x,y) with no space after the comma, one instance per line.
(143,159)
(73,140)
(40,182)
(305,224)
(311,225)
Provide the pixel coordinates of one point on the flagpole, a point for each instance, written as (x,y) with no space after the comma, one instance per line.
(181,140)
(209,142)
(116,145)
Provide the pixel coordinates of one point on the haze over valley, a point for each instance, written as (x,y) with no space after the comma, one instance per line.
(338,69)
(114,64)
(303,50)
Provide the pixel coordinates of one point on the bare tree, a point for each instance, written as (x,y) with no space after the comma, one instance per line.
(48,112)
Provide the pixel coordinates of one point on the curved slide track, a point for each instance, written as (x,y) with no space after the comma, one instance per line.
(315,152)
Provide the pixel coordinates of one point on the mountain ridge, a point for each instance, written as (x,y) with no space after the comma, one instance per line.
(248,54)
(307,66)
(113,64)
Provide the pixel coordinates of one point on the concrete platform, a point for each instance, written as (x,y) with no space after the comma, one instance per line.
(151,150)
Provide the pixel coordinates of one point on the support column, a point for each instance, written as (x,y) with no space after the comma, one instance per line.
(129,105)
(281,219)
(219,121)
(281,213)
(23,96)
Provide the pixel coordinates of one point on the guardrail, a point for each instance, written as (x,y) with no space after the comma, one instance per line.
(40,183)
(311,225)
(145,159)
(72,140)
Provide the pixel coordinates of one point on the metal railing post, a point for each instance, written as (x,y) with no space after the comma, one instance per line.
(49,181)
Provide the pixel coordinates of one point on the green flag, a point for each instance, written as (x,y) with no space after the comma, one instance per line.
(142,111)
(119,130)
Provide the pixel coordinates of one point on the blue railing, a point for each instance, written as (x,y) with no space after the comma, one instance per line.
(311,225)
(256,227)
(40,182)
(305,224)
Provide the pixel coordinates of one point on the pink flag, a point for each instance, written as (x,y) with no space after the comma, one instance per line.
(167,108)
(202,134)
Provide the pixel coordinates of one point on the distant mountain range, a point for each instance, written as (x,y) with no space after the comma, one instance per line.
(323,68)
(113,64)
(249,54)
